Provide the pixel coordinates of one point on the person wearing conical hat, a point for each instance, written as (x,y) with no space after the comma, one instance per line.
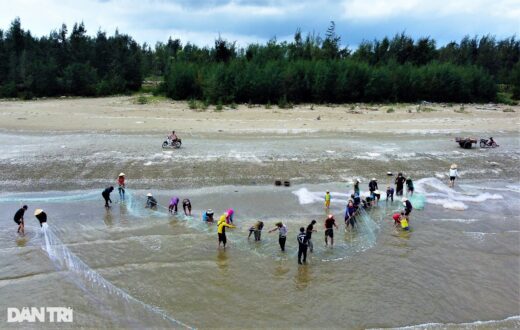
(41,216)
(208,216)
(453,175)
(121,185)
(151,202)
(377,197)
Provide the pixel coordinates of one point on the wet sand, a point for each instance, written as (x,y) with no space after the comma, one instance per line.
(458,265)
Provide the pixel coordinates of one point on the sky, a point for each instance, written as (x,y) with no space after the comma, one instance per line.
(257,21)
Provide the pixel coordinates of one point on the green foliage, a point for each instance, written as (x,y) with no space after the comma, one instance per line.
(67,64)
(508,110)
(142,100)
(390,110)
(219,106)
(198,105)
(147,99)
(284,104)
(515,81)
(309,69)
(425,109)
(505,98)
(192,104)
(327,81)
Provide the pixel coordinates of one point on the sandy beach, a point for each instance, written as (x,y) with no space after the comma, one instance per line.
(123,115)
(129,266)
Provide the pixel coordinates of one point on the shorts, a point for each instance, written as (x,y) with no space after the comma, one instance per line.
(222,238)
(329,232)
(18,222)
(410,189)
(407,228)
(452,178)
(407,211)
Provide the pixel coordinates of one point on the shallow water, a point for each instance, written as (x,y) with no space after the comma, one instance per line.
(132,267)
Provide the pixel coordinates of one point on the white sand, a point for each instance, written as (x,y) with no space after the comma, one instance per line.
(122,114)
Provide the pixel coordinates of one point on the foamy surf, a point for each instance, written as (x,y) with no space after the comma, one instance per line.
(438,193)
(512,322)
(456,220)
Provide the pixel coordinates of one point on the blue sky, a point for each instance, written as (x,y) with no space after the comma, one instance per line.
(249,21)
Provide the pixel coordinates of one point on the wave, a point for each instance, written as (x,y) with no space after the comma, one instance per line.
(507,323)
(456,220)
(438,193)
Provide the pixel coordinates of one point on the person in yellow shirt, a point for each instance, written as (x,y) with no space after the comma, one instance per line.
(404,224)
(221,230)
(327,199)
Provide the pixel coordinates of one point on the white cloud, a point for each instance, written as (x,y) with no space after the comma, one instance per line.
(200,38)
(233,8)
(374,9)
(383,9)
(248,21)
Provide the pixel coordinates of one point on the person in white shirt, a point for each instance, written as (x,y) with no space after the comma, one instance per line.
(282,237)
(453,175)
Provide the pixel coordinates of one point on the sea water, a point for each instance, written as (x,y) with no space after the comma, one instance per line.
(134,267)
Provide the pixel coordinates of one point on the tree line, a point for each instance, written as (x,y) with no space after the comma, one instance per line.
(309,68)
(64,63)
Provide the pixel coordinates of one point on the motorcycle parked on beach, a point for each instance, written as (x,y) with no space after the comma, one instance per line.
(172,144)
(485,143)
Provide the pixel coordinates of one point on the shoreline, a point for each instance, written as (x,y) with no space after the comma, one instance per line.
(121,115)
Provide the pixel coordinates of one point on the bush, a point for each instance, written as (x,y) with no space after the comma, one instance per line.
(505,98)
(192,104)
(390,110)
(219,106)
(284,104)
(142,100)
